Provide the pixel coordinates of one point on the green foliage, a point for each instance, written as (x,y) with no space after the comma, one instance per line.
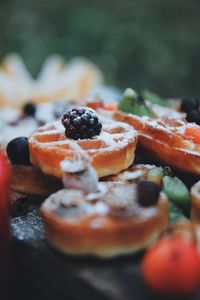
(151,44)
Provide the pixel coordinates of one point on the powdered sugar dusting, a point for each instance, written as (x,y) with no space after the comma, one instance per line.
(118,197)
(114,135)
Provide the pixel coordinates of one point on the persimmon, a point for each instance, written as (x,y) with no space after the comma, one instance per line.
(172,267)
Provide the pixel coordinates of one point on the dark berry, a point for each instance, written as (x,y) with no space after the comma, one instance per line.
(140,100)
(81,123)
(167,171)
(189,103)
(41,123)
(193,117)
(148,193)
(29,109)
(18,151)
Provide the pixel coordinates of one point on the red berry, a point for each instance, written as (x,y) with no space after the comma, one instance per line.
(172,267)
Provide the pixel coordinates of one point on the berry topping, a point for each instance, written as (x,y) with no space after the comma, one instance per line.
(18,151)
(140,100)
(81,123)
(148,193)
(29,109)
(193,117)
(189,103)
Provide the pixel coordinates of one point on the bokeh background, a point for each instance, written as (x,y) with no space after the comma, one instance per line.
(152,44)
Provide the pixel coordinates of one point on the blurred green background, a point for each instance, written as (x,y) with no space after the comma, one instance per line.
(141,43)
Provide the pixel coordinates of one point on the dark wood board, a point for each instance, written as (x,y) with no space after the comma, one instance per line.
(41,272)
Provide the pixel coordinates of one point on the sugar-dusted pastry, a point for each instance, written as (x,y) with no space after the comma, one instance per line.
(109,144)
(114,218)
(173,142)
(31,181)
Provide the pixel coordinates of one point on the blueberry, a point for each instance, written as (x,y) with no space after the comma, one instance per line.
(140,100)
(29,109)
(148,193)
(18,151)
(189,103)
(193,117)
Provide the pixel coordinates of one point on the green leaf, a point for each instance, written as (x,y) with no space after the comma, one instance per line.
(176,191)
(130,104)
(154,98)
(175,214)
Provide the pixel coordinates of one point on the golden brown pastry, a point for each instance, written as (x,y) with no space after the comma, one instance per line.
(165,139)
(31,181)
(113,221)
(110,152)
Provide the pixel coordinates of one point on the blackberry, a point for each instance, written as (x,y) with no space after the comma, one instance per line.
(148,193)
(189,103)
(18,151)
(81,123)
(193,117)
(29,109)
